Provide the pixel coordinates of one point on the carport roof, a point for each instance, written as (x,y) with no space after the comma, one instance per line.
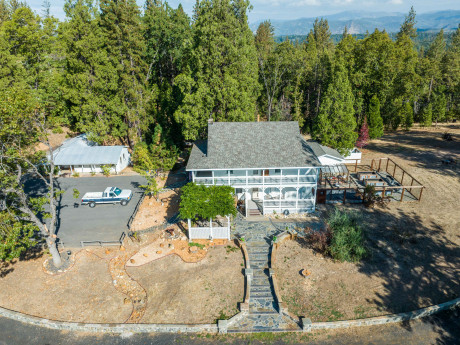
(80,151)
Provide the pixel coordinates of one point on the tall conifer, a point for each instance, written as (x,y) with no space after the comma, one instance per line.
(223,78)
(336,124)
(375,120)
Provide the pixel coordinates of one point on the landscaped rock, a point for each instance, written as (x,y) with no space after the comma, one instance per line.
(162,245)
(193,249)
(145,254)
(159,251)
(132,261)
(126,301)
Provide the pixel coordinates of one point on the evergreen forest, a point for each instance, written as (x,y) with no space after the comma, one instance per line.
(152,76)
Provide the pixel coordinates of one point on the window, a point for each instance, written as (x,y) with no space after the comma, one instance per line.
(277,171)
(230,171)
(117,191)
(255,172)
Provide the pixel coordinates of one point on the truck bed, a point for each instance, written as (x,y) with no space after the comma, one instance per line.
(93,195)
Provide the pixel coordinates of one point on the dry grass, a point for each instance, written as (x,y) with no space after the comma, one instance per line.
(415,256)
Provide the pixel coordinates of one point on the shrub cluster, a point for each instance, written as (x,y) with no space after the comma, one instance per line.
(342,239)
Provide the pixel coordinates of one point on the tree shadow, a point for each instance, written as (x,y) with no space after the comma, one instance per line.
(32,253)
(421,147)
(418,263)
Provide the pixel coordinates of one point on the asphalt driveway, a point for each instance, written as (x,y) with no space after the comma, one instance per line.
(105,222)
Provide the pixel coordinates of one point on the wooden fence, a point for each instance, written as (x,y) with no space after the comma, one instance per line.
(405,181)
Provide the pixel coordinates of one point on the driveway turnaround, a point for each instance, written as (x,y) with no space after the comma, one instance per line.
(105,222)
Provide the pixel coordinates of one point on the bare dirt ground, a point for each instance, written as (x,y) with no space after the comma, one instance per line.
(189,285)
(195,292)
(414,246)
(83,294)
(154,211)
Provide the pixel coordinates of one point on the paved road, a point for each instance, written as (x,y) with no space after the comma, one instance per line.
(104,222)
(443,329)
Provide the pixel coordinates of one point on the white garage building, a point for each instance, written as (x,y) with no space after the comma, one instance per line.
(81,155)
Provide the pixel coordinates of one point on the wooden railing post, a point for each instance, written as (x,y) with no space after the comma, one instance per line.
(356,165)
(402,194)
(380,163)
(412,182)
(420,197)
(386,169)
(402,179)
(344,195)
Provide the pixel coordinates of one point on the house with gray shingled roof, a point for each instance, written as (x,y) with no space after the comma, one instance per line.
(270,165)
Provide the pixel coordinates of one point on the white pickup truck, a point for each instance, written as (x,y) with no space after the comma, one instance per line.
(111,195)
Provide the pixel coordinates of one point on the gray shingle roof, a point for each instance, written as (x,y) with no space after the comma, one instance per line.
(321,150)
(80,151)
(239,145)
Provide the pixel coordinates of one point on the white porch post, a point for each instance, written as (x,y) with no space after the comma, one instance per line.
(298,176)
(297,200)
(212,174)
(246,202)
(228,172)
(193,176)
(280,189)
(263,200)
(228,228)
(189,223)
(71,170)
(247,182)
(210,227)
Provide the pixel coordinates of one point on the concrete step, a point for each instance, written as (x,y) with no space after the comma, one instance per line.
(259,256)
(261,287)
(259,329)
(257,244)
(261,294)
(260,282)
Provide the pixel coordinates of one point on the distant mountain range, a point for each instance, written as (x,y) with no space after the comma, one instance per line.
(358,22)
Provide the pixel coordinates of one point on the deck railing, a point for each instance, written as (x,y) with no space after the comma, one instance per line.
(256,180)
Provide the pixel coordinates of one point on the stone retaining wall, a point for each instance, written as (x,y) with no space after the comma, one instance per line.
(109,327)
(307,325)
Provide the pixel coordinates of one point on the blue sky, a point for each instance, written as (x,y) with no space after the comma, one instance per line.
(293,9)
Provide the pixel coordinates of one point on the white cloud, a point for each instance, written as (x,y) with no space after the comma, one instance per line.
(395,2)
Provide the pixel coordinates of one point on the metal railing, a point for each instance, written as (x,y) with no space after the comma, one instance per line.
(136,209)
(104,243)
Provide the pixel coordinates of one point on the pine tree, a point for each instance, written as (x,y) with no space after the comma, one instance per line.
(408,26)
(375,120)
(336,124)
(363,138)
(408,115)
(439,107)
(427,116)
(451,75)
(122,31)
(90,80)
(166,34)
(223,78)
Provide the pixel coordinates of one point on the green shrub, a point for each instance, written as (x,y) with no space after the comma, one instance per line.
(106,170)
(194,244)
(347,242)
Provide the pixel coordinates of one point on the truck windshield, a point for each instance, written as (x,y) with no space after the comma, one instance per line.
(117,191)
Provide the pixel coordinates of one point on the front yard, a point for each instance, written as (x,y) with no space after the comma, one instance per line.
(99,288)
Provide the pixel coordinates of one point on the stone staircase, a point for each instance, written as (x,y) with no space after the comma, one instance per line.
(264,314)
(261,298)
